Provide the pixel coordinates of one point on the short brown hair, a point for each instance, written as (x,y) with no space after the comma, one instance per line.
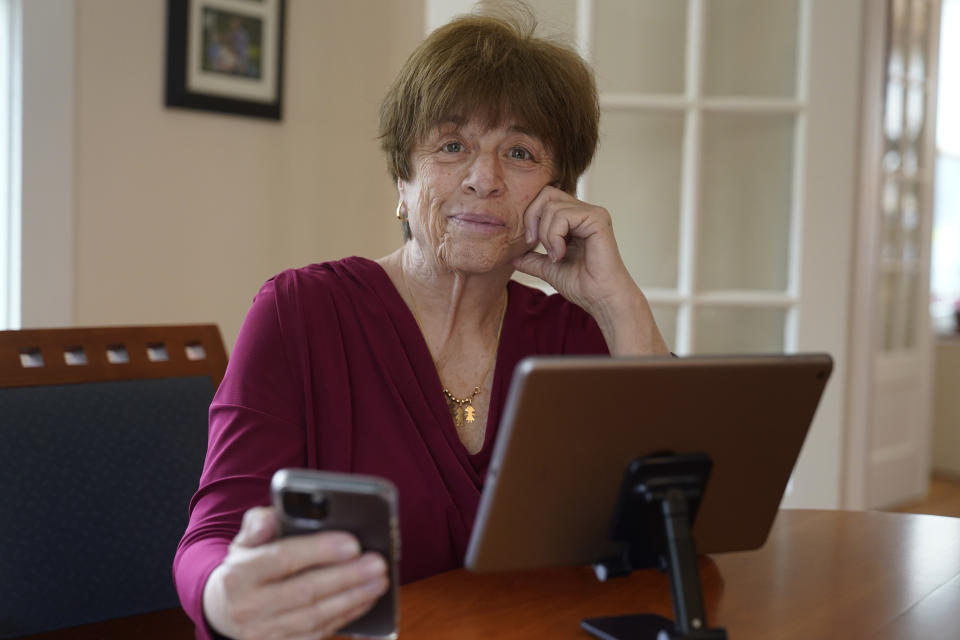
(493,68)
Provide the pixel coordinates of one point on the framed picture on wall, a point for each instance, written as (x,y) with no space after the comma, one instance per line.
(226,56)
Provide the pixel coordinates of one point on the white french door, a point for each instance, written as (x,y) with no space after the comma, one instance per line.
(727,159)
(888,459)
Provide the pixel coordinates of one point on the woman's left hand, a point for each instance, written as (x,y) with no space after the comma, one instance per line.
(584,265)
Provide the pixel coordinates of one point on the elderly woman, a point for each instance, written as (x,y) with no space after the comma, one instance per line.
(399,367)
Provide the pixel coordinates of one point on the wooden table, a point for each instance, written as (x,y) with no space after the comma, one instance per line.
(822,574)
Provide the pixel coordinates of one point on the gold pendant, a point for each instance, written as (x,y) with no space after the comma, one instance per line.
(471,414)
(458,416)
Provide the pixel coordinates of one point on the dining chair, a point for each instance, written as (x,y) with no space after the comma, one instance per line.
(103,433)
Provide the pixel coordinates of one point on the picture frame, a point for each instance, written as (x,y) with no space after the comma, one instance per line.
(226,56)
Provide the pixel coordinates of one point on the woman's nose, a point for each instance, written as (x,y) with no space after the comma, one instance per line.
(485,177)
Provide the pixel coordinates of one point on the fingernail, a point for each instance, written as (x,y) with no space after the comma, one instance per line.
(376,587)
(259,526)
(374,566)
(250,529)
(348,548)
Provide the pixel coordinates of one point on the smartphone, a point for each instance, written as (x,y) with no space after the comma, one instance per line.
(308,501)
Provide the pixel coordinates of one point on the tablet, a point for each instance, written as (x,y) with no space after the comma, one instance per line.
(572,425)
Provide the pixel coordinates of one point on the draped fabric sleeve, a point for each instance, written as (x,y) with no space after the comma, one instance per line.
(583,335)
(256,427)
(551,325)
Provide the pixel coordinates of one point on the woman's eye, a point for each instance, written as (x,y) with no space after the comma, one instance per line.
(519,153)
(453,147)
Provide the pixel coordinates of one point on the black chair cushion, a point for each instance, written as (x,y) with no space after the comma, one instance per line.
(95,480)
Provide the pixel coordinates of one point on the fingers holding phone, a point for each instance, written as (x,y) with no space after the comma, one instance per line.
(301,586)
(327,600)
(307,501)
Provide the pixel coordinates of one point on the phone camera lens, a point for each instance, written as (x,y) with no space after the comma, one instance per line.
(306,505)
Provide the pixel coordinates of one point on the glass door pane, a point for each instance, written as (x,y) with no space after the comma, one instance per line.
(910,224)
(897,56)
(739,330)
(919,39)
(890,235)
(751,47)
(893,124)
(746,199)
(640,47)
(914,124)
(636,177)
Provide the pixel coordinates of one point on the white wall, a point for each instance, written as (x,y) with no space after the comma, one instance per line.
(181,215)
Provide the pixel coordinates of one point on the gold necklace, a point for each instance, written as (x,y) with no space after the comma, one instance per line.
(461,409)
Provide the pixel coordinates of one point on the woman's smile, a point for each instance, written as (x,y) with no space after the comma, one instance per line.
(479,223)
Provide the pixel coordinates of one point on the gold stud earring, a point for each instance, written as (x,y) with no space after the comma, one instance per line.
(405,232)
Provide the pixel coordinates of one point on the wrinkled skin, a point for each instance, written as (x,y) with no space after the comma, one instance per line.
(480,200)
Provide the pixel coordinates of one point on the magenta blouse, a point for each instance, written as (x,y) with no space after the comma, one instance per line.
(330,371)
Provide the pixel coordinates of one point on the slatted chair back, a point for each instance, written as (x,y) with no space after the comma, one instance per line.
(103,432)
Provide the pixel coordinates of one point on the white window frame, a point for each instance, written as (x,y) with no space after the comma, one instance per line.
(38,241)
(9,165)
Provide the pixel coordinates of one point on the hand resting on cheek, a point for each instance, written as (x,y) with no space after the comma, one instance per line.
(582,262)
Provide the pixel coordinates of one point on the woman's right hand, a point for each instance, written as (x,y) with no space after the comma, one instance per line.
(304,586)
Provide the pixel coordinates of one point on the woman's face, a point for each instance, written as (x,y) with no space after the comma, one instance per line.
(469,190)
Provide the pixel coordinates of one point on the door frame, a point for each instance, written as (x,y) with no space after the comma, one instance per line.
(868,366)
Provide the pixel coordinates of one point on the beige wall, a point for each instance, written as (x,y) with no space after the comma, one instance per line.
(946,408)
(181,215)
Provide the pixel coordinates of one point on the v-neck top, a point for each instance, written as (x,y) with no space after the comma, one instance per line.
(330,371)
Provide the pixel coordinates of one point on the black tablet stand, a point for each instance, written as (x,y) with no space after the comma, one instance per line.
(654,516)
